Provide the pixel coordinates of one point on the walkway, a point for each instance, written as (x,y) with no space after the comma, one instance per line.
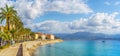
(11,51)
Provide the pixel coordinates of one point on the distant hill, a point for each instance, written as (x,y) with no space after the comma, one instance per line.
(89,36)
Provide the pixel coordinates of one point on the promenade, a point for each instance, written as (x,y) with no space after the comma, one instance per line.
(10,51)
(26,48)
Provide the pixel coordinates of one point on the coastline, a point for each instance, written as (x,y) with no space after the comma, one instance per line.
(30,46)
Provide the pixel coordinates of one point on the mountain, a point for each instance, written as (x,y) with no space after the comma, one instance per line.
(90,36)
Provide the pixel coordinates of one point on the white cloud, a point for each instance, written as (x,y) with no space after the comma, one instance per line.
(102,19)
(31,9)
(112,3)
(4,2)
(105,23)
(107,3)
(51,27)
(69,6)
(117,3)
(97,23)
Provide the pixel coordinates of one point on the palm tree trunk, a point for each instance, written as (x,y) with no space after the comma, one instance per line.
(8,23)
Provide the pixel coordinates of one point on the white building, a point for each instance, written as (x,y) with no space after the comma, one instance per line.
(43,36)
(50,36)
(39,35)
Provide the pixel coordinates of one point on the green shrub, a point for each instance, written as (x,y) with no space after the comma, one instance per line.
(1,47)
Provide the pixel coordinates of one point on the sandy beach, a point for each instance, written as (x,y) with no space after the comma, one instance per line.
(28,47)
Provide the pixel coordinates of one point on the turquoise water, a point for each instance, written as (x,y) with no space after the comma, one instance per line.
(80,48)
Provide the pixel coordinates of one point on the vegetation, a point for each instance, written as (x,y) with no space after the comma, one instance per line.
(14,28)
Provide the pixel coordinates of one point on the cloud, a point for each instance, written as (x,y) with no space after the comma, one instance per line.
(96,23)
(52,26)
(117,3)
(112,3)
(69,6)
(99,19)
(104,22)
(107,3)
(30,9)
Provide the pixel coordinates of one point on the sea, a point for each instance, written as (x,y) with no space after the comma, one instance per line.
(80,48)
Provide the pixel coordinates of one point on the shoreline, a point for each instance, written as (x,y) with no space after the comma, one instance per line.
(30,46)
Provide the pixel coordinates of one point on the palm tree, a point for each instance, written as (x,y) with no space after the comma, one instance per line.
(32,34)
(8,14)
(19,30)
(14,26)
(13,33)
(5,36)
(27,33)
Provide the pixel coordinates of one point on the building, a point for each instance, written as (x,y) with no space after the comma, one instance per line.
(36,36)
(39,35)
(50,36)
(43,37)
(1,28)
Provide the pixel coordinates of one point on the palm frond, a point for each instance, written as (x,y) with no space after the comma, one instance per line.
(7,8)
(2,9)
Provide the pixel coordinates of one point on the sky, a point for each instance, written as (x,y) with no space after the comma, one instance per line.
(68,16)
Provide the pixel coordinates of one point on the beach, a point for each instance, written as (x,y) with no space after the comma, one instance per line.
(28,47)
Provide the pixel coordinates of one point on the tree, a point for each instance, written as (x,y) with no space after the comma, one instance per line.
(8,14)
(14,26)
(27,33)
(32,34)
(5,36)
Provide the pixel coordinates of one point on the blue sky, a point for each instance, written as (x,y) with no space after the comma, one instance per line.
(95,5)
(69,16)
(60,17)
